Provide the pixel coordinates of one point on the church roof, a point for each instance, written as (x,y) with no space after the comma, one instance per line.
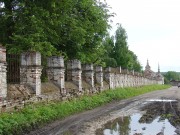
(149,73)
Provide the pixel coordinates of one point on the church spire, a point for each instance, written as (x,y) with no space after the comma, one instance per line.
(158,68)
(147,65)
(147,62)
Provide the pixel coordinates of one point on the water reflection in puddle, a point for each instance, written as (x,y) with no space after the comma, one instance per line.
(131,126)
(161,118)
(161,100)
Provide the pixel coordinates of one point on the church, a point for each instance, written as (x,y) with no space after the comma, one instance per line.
(154,75)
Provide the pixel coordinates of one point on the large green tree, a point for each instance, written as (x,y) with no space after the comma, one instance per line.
(74,27)
(117,52)
(6,20)
(109,59)
(121,51)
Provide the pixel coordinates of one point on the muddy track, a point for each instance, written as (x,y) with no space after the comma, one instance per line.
(87,122)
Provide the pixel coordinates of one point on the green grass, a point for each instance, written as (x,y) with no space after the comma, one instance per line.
(37,115)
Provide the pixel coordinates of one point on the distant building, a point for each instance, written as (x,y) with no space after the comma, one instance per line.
(154,75)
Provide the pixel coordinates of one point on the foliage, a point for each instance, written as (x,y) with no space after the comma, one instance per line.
(109,52)
(134,63)
(117,52)
(166,81)
(73,27)
(36,115)
(171,75)
(121,52)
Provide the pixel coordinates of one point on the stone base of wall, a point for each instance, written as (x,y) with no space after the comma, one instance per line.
(18,91)
(20,95)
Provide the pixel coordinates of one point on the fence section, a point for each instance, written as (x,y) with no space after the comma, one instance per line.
(13,68)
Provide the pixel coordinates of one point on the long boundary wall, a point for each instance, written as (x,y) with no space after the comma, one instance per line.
(97,78)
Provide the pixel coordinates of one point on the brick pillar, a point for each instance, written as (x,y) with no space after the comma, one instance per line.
(88,75)
(125,80)
(139,79)
(116,81)
(56,71)
(130,80)
(99,77)
(109,77)
(134,81)
(74,73)
(30,70)
(121,77)
(3,72)
(119,70)
(145,81)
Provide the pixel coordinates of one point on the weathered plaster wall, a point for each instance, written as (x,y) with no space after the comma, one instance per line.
(3,66)
(78,76)
(30,70)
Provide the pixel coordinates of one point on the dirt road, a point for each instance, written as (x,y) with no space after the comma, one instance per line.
(87,122)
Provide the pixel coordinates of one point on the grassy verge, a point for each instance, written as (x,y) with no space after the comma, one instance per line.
(34,116)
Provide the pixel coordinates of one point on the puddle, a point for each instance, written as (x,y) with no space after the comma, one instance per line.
(161,118)
(161,100)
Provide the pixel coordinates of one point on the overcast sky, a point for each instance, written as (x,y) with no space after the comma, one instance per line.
(153,29)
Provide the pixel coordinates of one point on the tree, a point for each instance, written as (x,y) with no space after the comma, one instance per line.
(133,63)
(117,52)
(27,27)
(84,30)
(121,52)
(6,20)
(73,27)
(109,52)
(171,75)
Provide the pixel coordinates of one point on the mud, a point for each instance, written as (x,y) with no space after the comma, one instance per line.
(160,118)
(88,122)
(166,110)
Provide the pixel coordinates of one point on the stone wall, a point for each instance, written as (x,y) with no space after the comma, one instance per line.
(77,77)
(3,66)
(88,76)
(99,78)
(74,73)
(56,71)
(30,71)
